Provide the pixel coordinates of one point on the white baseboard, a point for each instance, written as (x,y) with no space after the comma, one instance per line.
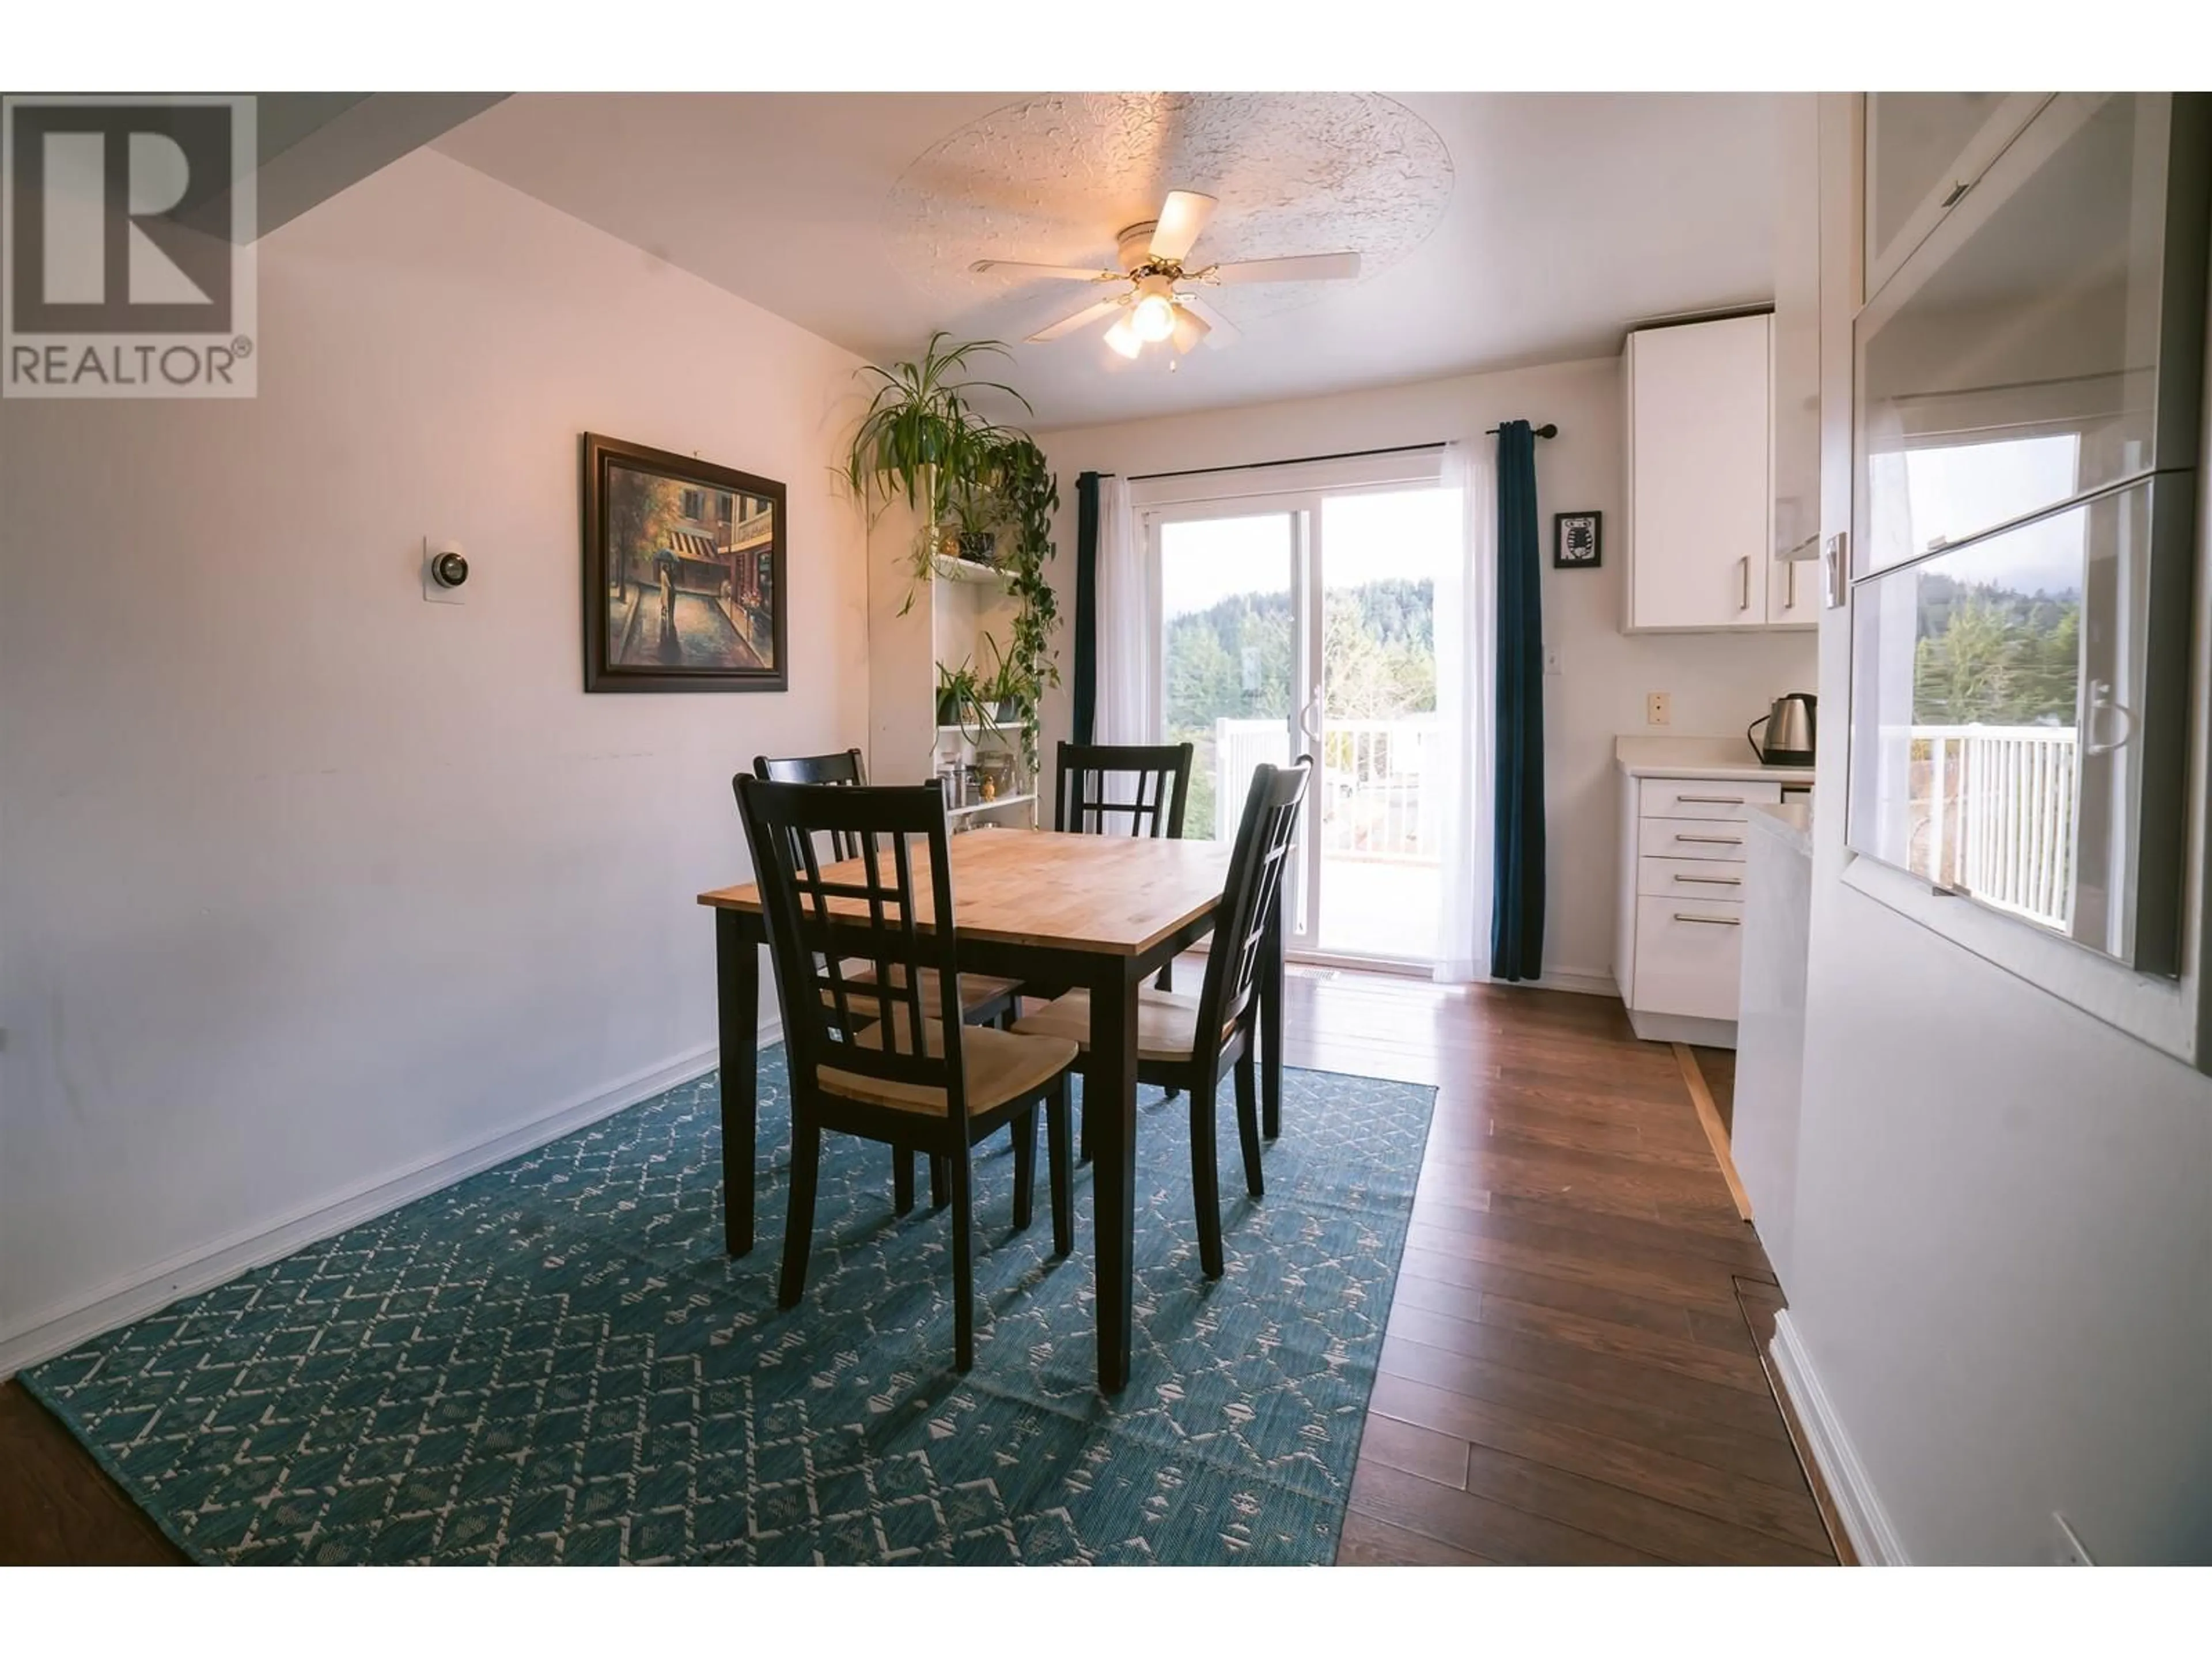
(1865,1519)
(1581,981)
(119,1303)
(1682,1027)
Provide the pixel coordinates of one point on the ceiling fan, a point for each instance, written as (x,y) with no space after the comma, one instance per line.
(1153,299)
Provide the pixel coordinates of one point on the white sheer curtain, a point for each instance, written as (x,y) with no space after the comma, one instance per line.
(1128,675)
(1466,636)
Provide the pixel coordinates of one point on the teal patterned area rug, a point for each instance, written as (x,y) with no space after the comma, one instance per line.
(553,1361)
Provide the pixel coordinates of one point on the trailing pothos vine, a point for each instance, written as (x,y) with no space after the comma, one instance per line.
(922,440)
(1024,482)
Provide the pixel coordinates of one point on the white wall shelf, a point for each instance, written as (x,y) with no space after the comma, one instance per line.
(966,570)
(1021,799)
(916,630)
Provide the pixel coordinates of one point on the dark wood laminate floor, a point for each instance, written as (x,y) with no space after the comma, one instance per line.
(1569,1375)
(58,1507)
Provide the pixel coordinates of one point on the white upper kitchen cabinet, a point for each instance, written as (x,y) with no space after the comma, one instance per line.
(1793,582)
(1700,496)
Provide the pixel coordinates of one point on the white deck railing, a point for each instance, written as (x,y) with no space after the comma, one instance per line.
(1375,792)
(1994,811)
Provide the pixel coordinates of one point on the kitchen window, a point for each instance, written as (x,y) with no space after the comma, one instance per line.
(2029,388)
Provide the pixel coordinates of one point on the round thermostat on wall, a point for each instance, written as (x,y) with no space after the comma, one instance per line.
(445,571)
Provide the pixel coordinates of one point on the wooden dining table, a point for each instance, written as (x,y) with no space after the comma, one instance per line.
(1104,913)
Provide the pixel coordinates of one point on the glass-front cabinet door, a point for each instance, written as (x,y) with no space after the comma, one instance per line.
(1924,152)
(2028,385)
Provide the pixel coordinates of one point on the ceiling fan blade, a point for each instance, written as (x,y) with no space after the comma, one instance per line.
(1221,332)
(1181,220)
(1082,318)
(1073,273)
(1298,268)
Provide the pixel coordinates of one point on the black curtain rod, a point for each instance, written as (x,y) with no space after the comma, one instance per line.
(1296,460)
(1547,430)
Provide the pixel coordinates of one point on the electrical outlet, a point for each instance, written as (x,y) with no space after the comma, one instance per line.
(1552,664)
(1658,708)
(2066,1549)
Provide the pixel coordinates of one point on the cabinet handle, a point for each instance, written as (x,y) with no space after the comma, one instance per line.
(1713,800)
(1714,881)
(1789,587)
(1710,921)
(1718,841)
(1744,604)
(1958,191)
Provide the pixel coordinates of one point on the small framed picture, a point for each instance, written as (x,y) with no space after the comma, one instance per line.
(1576,545)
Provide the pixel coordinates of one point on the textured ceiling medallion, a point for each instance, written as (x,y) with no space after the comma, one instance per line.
(1055,179)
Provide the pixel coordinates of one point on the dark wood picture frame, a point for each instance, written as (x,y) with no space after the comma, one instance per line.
(1561,559)
(697,622)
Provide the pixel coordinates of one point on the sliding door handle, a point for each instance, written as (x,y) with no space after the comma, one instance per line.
(2122,723)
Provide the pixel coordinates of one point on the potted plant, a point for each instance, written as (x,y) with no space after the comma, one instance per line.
(1007,691)
(961,701)
(977,511)
(920,441)
(971,481)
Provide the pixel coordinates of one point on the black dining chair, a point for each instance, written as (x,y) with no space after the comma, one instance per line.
(1155,778)
(870,1057)
(985,1001)
(1187,1042)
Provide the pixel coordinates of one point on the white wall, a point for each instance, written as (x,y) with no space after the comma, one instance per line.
(1719,682)
(2001,1260)
(308,882)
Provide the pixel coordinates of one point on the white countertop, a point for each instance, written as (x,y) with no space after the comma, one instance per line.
(1788,822)
(1699,758)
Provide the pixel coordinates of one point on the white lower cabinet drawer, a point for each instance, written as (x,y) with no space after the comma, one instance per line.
(1692,797)
(1689,878)
(1689,956)
(1691,838)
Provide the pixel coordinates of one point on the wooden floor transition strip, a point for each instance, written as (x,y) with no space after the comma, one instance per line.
(1709,1119)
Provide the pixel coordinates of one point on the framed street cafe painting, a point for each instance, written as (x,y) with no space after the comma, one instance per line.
(683,574)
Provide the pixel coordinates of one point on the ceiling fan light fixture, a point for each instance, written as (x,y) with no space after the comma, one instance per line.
(1190,328)
(1124,338)
(1153,316)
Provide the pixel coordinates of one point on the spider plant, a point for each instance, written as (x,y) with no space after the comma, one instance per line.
(963,702)
(1008,691)
(920,438)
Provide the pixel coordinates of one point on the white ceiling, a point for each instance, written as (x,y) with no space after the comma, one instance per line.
(1568,216)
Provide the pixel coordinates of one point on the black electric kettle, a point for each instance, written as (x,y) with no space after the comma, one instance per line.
(1789,731)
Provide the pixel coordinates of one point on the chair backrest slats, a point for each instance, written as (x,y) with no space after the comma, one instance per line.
(1257,863)
(889,906)
(1157,776)
(842,767)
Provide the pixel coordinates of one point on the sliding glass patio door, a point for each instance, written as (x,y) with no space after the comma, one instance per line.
(1302,623)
